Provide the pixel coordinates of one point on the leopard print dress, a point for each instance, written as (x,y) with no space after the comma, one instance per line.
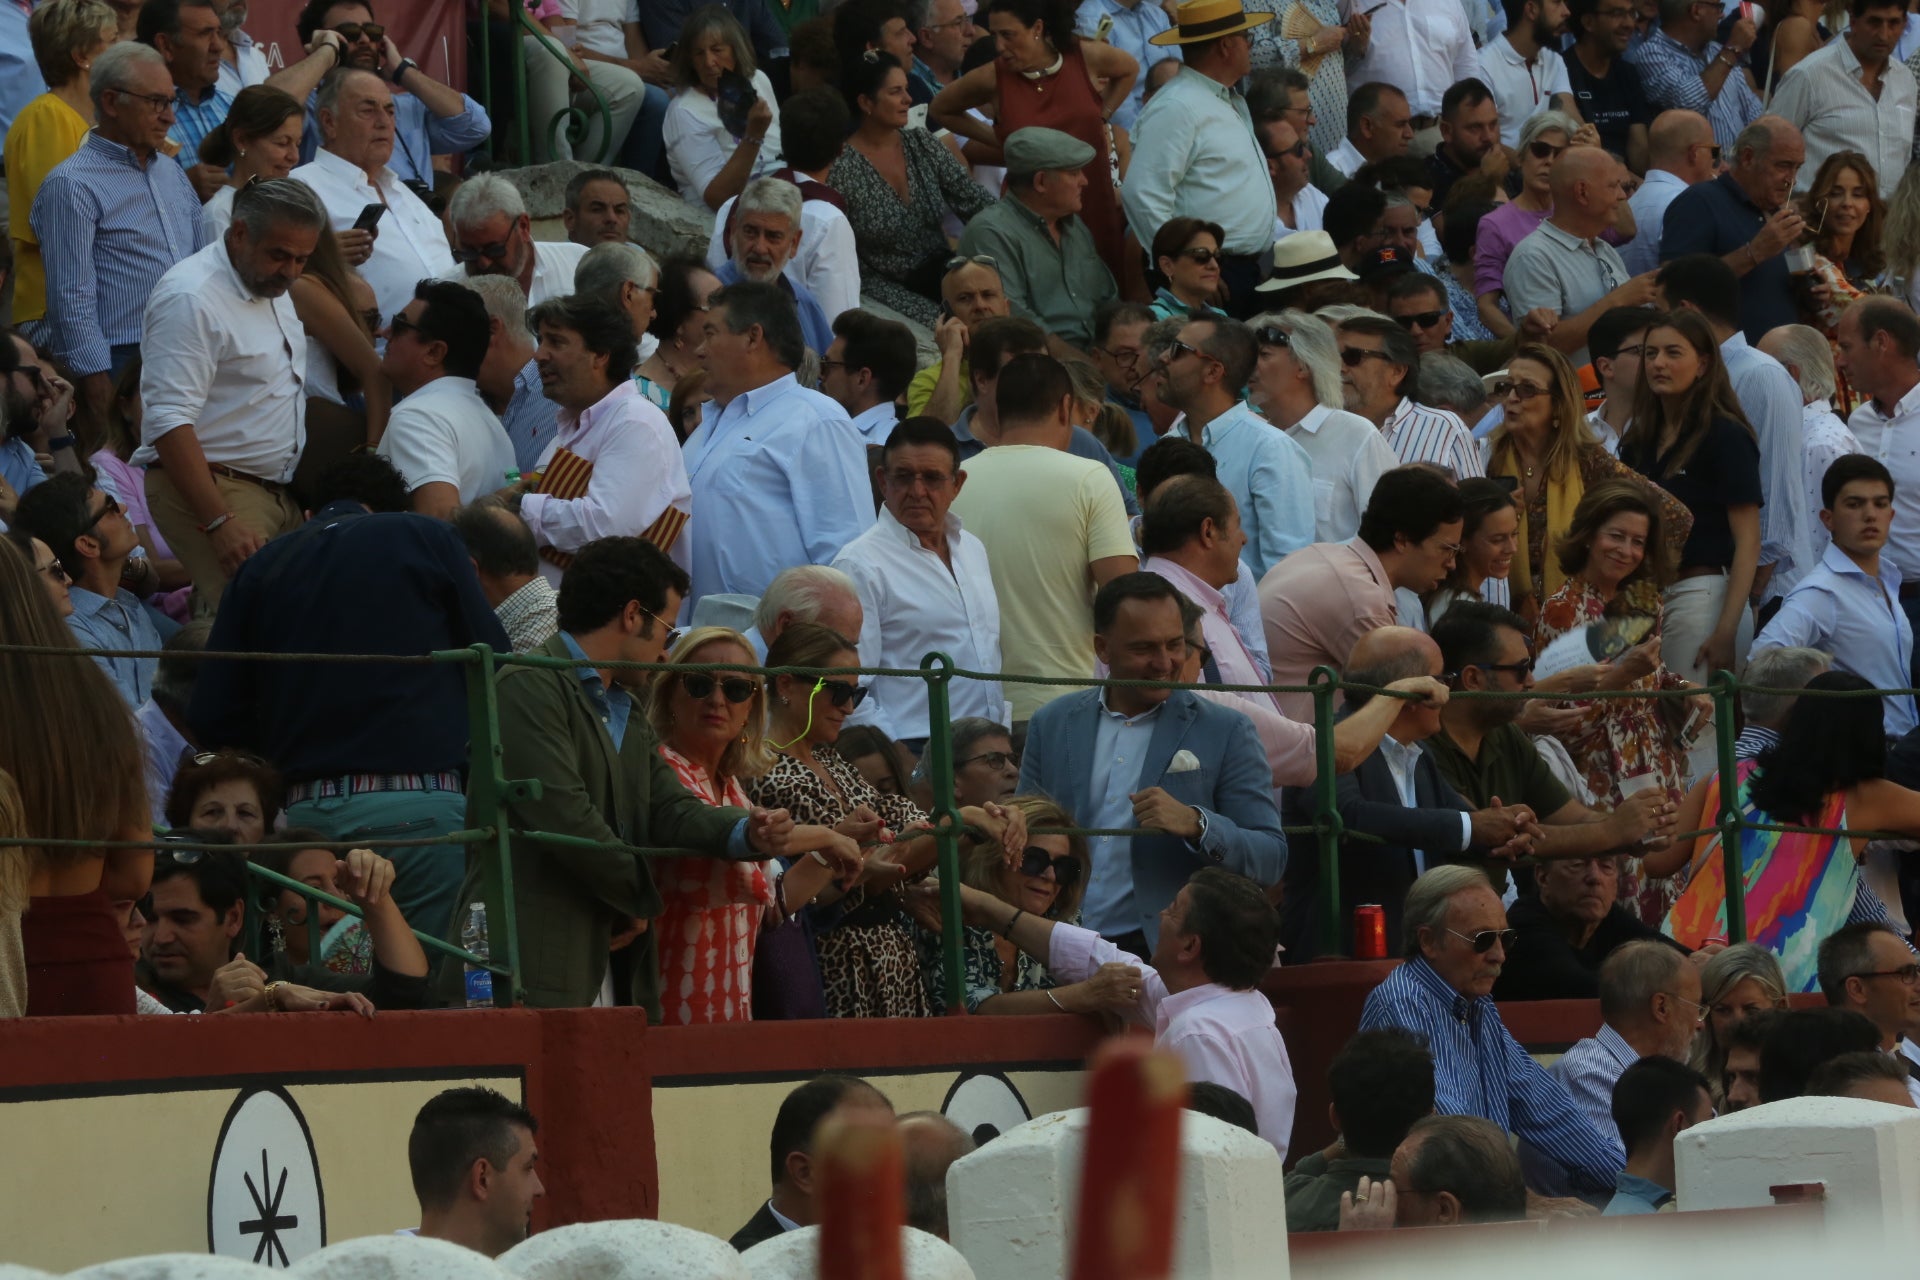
(868,962)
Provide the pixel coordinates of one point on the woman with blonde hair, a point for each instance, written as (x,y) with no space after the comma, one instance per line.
(1736,983)
(1900,241)
(69,740)
(1048,881)
(1545,447)
(711,726)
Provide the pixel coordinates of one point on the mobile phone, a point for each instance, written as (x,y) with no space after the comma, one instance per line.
(735,96)
(369,217)
(1377,8)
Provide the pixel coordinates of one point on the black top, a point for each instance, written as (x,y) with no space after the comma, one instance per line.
(1543,965)
(1613,103)
(1717,217)
(1723,472)
(348,582)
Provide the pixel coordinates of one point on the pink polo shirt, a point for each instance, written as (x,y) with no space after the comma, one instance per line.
(1316,605)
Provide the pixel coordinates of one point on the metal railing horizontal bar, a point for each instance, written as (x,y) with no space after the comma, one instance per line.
(313,895)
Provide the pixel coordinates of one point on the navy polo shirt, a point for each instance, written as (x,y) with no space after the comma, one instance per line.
(1716,217)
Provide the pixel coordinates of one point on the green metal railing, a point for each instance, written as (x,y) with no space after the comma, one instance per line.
(491,793)
(570,121)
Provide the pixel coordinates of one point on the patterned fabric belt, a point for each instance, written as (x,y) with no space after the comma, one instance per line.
(355,784)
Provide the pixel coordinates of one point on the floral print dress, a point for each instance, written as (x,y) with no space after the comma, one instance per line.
(1622,737)
(894,238)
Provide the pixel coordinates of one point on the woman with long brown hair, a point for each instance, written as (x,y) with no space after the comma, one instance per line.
(259,139)
(1690,435)
(1545,447)
(1847,217)
(348,395)
(69,740)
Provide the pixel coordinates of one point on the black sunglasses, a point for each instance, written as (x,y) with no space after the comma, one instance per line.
(351,31)
(1483,941)
(1424,320)
(1544,150)
(845,696)
(399,325)
(494,252)
(1354,357)
(112,508)
(1034,861)
(1272,335)
(699,686)
(1519,669)
(1200,254)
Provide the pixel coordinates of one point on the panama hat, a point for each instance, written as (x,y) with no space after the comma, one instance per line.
(1303,257)
(1199,20)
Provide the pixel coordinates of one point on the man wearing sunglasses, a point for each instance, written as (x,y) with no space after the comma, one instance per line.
(1868,967)
(494,236)
(1681,153)
(1455,938)
(442,437)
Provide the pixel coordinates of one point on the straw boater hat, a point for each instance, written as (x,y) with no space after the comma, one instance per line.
(1303,257)
(1209,20)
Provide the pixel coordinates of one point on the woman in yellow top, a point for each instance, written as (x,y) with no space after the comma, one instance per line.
(67,36)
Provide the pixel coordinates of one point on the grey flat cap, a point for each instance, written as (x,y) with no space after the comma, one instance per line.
(1038,150)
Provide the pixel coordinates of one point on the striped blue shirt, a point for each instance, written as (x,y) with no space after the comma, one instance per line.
(109,228)
(1674,77)
(193,121)
(1481,1070)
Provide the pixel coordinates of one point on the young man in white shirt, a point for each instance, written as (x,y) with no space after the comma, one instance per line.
(1523,67)
(442,437)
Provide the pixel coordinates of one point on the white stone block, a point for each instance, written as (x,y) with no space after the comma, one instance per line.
(396,1257)
(1012,1203)
(795,1255)
(1866,1155)
(9,1271)
(633,1249)
(173,1266)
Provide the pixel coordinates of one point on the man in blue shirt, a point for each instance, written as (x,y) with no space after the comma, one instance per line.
(1130,26)
(1746,217)
(1654,1102)
(1849,605)
(187,34)
(1455,940)
(93,538)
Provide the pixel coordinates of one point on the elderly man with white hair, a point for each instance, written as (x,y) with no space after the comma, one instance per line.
(767,232)
(623,274)
(494,237)
(806,593)
(1782,668)
(509,377)
(351,171)
(1825,436)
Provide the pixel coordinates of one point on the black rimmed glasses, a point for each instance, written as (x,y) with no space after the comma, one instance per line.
(1034,861)
(995,760)
(1544,150)
(111,507)
(1908,974)
(1422,320)
(161,103)
(1177,348)
(493,252)
(1521,391)
(1354,357)
(1519,669)
(351,32)
(844,695)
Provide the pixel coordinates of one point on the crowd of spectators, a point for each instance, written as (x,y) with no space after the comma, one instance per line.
(1439,343)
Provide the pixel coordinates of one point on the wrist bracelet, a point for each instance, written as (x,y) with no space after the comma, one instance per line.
(1056,999)
(272,992)
(216,522)
(1012,920)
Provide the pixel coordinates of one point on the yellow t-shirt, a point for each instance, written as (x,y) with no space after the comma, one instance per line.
(45,132)
(1045,517)
(920,390)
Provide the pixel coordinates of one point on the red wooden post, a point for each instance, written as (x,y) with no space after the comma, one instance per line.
(863,1185)
(1131,1178)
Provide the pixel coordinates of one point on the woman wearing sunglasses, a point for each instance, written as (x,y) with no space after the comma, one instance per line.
(1546,450)
(1616,563)
(1186,259)
(711,726)
(869,964)
(1047,881)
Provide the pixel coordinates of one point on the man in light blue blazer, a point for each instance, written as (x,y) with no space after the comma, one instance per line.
(1152,758)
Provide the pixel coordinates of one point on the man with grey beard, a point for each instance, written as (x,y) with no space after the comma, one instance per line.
(766,235)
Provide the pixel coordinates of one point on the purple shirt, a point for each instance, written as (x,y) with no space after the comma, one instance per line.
(1499,232)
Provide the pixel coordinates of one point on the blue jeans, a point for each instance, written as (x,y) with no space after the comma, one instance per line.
(426,883)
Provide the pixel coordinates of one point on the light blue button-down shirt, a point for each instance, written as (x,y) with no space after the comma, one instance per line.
(1634,1194)
(20,79)
(1857,618)
(1195,154)
(530,418)
(1589,1070)
(18,467)
(1134,26)
(1270,477)
(195,118)
(117,622)
(1119,749)
(418,135)
(1772,402)
(779,478)
(1649,205)
(109,228)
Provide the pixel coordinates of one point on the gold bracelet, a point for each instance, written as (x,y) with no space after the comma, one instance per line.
(272,992)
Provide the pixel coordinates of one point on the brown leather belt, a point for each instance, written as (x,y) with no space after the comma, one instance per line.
(271,486)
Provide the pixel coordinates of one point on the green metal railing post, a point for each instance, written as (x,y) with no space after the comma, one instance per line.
(946,826)
(517,55)
(490,791)
(1325,681)
(1725,691)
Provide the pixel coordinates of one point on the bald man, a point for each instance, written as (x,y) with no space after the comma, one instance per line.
(1564,265)
(930,1143)
(1398,795)
(1681,152)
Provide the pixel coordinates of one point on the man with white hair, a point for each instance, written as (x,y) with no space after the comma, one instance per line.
(1455,940)
(806,593)
(767,231)
(1448,382)
(1780,668)
(623,274)
(1808,357)
(351,172)
(495,238)
(1296,384)
(509,376)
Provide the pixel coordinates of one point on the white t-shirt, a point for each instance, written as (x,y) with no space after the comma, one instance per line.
(699,146)
(445,434)
(600,24)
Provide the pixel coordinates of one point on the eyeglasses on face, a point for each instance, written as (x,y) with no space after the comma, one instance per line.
(1034,861)
(1125,357)
(351,32)
(1423,319)
(1521,391)
(699,686)
(1298,151)
(994,760)
(1713,149)
(1205,654)
(494,252)
(1482,942)
(1908,974)
(673,632)
(55,570)
(110,507)
(162,104)
(1177,348)
(1272,335)
(1354,357)
(400,325)
(1200,255)
(1519,669)
(1544,150)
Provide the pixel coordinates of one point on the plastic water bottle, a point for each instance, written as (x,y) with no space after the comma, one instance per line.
(473,936)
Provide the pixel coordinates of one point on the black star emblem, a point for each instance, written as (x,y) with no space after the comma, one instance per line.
(271,1221)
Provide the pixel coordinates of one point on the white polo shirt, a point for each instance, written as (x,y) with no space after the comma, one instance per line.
(445,434)
(1521,89)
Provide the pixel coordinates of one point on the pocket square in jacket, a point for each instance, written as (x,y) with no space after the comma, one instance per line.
(1183,762)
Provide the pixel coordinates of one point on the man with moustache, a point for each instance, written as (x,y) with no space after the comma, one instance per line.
(766,235)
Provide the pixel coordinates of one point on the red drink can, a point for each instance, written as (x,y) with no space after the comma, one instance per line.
(1369,932)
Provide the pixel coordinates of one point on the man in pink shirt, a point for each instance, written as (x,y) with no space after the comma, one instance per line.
(1320,600)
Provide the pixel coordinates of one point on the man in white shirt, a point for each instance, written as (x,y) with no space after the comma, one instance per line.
(495,236)
(636,483)
(224,387)
(1423,46)
(1680,152)
(1852,95)
(598,209)
(1866,967)
(442,437)
(1379,127)
(1297,203)
(1524,68)
(1879,341)
(1200,994)
(924,585)
(350,173)
(1296,383)
(865,369)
